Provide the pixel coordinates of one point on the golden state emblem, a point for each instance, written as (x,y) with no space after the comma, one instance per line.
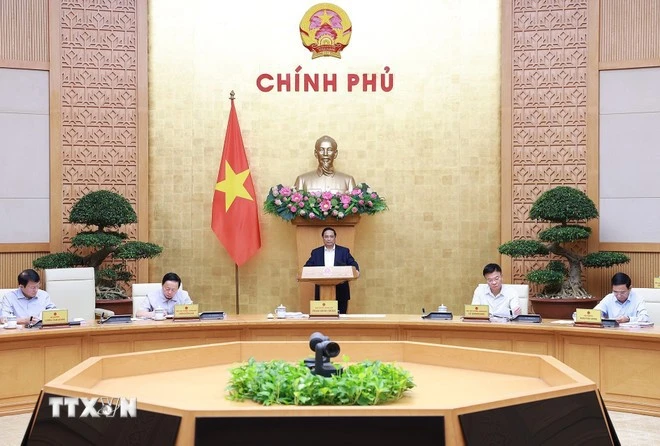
(325,30)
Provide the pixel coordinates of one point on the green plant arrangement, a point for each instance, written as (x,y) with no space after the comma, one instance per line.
(288,202)
(279,382)
(107,211)
(565,207)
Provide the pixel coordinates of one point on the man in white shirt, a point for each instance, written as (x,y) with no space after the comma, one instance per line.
(502,300)
(165,298)
(28,301)
(623,304)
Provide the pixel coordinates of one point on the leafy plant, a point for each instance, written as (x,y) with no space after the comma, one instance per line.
(288,202)
(280,382)
(562,205)
(107,211)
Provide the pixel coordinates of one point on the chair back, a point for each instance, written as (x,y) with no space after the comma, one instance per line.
(523,295)
(651,298)
(139,293)
(73,289)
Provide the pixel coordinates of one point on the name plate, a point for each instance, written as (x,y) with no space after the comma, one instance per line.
(439,315)
(186,312)
(212,315)
(54,318)
(656,282)
(528,318)
(476,312)
(586,317)
(324,308)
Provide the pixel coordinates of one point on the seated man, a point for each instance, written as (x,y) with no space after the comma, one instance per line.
(502,300)
(28,301)
(166,297)
(623,304)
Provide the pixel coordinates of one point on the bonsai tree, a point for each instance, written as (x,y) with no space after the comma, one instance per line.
(107,211)
(562,205)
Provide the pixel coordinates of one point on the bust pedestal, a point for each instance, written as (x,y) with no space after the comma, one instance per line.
(308,237)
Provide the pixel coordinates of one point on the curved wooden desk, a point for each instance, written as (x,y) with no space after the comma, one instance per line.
(624,363)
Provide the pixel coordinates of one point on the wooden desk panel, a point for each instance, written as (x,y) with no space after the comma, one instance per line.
(30,358)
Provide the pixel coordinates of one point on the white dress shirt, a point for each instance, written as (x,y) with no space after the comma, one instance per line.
(633,307)
(506,302)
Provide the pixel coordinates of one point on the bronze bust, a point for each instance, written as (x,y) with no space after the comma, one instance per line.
(325,177)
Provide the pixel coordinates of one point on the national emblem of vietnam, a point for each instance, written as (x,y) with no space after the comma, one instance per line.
(325,30)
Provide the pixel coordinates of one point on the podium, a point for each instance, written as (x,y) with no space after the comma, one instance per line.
(327,277)
(308,237)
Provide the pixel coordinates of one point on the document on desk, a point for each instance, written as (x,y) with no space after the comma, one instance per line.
(357,316)
(636,324)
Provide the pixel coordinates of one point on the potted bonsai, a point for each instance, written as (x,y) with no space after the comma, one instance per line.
(102,213)
(565,207)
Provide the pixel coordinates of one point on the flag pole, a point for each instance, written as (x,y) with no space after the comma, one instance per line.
(231,98)
(236,276)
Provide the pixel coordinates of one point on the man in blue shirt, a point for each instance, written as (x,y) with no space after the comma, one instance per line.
(623,304)
(28,301)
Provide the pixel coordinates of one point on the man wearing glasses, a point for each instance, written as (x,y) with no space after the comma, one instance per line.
(28,301)
(502,300)
(623,304)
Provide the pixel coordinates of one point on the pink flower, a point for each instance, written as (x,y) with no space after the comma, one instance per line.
(374,196)
(327,195)
(334,213)
(355,192)
(345,199)
(370,204)
(346,206)
(306,198)
(285,191)
(278,202)
(325,205)
(361,202)
(293,209)
(296,197)
(311,215)
(354,210)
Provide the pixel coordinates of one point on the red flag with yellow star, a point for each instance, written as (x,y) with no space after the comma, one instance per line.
(235,217)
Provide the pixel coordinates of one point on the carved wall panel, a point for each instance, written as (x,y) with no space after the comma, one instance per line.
(548,108)
(98,67)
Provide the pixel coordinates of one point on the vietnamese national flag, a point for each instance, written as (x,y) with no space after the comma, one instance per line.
(235,218)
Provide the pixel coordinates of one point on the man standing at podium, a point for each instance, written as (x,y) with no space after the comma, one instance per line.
(331,254)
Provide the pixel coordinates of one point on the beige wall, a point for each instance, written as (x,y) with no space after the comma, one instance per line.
(430,146)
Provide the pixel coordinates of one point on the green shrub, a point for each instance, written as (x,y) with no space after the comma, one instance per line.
(280,382)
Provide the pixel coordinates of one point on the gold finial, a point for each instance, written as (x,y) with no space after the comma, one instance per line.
(231,95)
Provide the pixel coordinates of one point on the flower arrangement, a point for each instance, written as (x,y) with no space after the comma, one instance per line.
(288,202)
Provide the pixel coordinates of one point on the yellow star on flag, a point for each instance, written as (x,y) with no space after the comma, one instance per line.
(233,186)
